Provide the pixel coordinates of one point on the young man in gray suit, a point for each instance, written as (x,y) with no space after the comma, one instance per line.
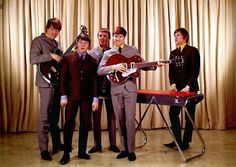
(124,95)
(42,50)
(104,90)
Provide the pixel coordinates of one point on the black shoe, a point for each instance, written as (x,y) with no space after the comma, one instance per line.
(95,149)
(58,148)
(46,156)
(65,159)
(83,155)
(185,146)
(132,156)
(170,145)
(114,148)
(122,154)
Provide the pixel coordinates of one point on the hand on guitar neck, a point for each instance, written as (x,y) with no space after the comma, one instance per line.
(56,57)
(122,67)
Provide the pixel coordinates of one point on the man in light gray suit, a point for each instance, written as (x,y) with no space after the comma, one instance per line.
(42,51)
(124,94)
(104,90)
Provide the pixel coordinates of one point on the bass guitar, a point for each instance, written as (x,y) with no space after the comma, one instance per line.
(50,71)
(132,65)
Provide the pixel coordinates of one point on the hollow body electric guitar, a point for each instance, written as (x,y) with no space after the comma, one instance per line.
(132,64)
(50,71)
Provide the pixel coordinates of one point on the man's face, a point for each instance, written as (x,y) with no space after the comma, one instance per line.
(52,33)
(103,39)
(82,46)
(118,39)
(179,39)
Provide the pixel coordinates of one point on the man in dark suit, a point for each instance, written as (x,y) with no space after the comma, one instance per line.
(104,36)
(78,87)
(42,51)
(183,77)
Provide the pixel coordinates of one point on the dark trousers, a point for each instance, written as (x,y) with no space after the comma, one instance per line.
(49,117)
(175,122)
(111,122)
(70,115)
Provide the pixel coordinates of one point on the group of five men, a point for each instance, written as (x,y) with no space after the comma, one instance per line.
(83,84)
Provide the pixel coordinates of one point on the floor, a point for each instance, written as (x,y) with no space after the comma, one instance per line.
(21,150)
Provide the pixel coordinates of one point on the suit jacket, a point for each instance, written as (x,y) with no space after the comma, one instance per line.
(187,73)
(79,77)
(104,85)
(130,84)
(41,48)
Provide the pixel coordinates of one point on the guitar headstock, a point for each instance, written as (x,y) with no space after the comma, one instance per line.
(83,29)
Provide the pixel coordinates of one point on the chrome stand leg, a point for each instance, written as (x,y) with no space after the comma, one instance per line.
(140,123)
(180,151)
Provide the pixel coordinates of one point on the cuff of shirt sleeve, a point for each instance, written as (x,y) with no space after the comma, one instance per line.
(95,99)
(64,97)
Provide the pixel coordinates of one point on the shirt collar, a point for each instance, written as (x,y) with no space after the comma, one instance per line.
(79,53)
(101,49)
(122,46)
(182,46)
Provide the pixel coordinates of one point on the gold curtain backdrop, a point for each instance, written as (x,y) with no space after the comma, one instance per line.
(150,25)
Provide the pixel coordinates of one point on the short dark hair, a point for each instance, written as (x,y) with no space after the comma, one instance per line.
(105,30)
(55,22)
(184,32)
(84,37)
(120,30)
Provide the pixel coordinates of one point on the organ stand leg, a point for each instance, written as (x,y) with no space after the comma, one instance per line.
(139,124)
(180,151)
(199,135)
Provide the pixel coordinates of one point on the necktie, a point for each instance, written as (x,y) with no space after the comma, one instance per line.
(82,56)
(179,49)
(119,49)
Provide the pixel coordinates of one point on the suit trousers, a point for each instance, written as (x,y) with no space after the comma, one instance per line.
(111,122)
(175,122)
(49,117)
(124,105)
(70,115)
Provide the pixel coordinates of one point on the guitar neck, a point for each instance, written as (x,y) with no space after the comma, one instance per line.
(150,64)
(145,64)
(166,61)
(71,47)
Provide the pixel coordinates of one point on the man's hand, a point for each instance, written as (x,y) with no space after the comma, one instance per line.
(119,67)
(160,64)
(94,106)
(56,57)
(173,87)
(63,102)
(185,89)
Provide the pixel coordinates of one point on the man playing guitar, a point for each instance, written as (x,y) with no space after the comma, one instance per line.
(42,50)
(124,94)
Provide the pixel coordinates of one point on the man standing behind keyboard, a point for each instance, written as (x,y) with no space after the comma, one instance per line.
(183,76)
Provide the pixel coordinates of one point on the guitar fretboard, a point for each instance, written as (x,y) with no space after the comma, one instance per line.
(150,64)
(145,64)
